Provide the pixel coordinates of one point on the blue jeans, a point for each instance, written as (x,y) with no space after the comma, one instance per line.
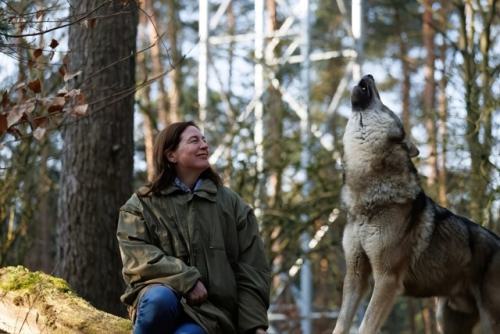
(159,311)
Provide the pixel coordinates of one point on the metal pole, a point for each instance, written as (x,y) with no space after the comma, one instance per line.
(357,34)
(259,106)
(203,62)
(305,126)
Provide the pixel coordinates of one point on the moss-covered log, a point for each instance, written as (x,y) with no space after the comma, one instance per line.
(33,302)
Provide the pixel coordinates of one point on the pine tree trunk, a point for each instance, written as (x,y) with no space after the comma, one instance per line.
(443,118)
(429,93)
(147,121)
(175,74)
(274,126)
(97,159)
(156,60)
(405,67)
(42,229)
(479,152)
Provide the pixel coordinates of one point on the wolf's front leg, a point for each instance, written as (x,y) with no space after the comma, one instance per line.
(355,281)
(387,287)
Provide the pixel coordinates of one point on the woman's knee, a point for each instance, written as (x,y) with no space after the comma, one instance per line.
(158,302)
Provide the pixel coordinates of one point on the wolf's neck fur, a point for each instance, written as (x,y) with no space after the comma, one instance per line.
(378,169)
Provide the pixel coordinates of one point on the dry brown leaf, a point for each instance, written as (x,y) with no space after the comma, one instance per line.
(54,43)
(35,86)
(5,99)
(17,112)
(39,14)
(39,133)
(57,104)
(66,59)
(80,110)
(74,92)
(69,76)
(62,70)
(37,53)
(3,124)
(62,92)
(20,85)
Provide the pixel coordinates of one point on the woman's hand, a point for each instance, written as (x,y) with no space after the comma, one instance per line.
(197,295)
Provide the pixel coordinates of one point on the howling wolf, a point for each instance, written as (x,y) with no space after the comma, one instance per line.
(395,232)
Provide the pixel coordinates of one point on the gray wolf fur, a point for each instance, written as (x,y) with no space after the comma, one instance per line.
(410,245)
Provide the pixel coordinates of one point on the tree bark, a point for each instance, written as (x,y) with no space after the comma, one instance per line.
(175,73)
(405,64)
(479,117)
(97,158)
(33,302)
(156,60)
(430,93)
(443,116)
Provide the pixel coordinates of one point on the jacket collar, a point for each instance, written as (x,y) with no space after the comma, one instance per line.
(205,189)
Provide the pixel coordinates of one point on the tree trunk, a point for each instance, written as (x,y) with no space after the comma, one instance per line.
(156,60)
(274,126)
(405,64)
(42,229)
(430,93)
(443,117)
(144,100)
(33,302)
(479,204)
(175,74)
(488,15)
(231,30)
(97,159)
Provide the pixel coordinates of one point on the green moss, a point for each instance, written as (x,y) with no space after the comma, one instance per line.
(19,278)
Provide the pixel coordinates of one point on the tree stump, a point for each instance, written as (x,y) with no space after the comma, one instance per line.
(34,302)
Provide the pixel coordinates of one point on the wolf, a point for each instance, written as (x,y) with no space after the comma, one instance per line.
(396,233)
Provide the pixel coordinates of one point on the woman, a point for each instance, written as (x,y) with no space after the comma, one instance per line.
(193,261)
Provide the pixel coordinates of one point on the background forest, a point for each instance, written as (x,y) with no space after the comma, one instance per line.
(86,85)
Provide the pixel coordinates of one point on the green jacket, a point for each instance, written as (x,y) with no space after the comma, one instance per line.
(176,238)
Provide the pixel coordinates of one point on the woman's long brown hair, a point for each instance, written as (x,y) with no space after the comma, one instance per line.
(164,171)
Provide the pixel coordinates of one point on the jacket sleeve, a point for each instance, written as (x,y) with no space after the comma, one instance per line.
(143,262)
(252,274)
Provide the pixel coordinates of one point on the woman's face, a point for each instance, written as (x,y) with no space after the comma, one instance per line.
(192,153)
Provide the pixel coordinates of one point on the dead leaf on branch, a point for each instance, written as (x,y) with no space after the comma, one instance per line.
(62,92)
(62,70)
(17,112)
(80,110)
(69,76)
(37,53)
(57,104)
(3,124)
(54,43)
(35,86)
(5,99)
(66,59)
(39,133)
(90,23)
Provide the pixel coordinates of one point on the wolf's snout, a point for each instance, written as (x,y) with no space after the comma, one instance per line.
(362,94)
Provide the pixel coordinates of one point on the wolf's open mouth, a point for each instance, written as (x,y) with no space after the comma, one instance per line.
(361,95)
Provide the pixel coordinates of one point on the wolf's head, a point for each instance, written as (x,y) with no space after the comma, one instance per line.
(373,127)
(365,95)
(377,153)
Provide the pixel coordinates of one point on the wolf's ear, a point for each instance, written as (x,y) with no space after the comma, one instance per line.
(412,149)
